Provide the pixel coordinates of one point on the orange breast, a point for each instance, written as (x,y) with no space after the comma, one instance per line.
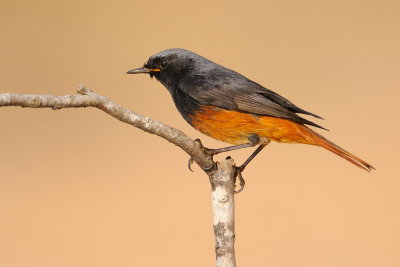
(235,127)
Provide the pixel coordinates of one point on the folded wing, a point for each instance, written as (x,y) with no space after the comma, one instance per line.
(239,93)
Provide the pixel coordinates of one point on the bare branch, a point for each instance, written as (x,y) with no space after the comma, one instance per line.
(87,98)
(222,175)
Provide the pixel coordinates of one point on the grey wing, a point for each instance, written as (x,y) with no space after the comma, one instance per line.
(243,95)
(258,104)
(284,102)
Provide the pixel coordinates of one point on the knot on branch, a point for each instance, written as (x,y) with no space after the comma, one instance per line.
(83,90)
(35,102)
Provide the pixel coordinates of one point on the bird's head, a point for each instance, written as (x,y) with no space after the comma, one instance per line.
(169,66)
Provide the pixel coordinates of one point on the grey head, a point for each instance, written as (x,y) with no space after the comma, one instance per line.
(171,65)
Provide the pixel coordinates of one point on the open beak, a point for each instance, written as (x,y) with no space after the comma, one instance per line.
(141,70)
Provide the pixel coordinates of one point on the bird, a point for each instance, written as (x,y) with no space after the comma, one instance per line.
(227,106)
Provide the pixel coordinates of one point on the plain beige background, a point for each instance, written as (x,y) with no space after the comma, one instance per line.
(79,188)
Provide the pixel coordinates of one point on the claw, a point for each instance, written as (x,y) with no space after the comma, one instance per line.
(242,182)
(190,162)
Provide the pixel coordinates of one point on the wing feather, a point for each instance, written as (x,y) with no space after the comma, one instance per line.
(239,93)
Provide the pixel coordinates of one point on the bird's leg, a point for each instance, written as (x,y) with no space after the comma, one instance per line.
(240,169)
(253,140)
(252,156)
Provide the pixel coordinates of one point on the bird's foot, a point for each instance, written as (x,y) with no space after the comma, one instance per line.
(207,151)
(239,175)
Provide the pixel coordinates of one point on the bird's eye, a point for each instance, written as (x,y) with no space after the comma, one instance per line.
(163,64)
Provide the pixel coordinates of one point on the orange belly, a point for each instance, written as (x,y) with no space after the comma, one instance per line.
(235,127)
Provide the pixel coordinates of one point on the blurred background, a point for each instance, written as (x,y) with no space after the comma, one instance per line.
(79,188)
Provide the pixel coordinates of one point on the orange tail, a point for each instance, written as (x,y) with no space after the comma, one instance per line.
(325,143)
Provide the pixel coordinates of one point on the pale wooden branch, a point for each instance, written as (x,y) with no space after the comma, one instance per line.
(221,174)
(223,203)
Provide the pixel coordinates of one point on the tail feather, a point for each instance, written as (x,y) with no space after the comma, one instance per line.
(325,143)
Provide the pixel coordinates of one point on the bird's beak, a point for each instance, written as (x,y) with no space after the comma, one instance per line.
(141,70)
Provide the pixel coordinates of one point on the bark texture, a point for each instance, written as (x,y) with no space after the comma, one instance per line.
(223,203)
